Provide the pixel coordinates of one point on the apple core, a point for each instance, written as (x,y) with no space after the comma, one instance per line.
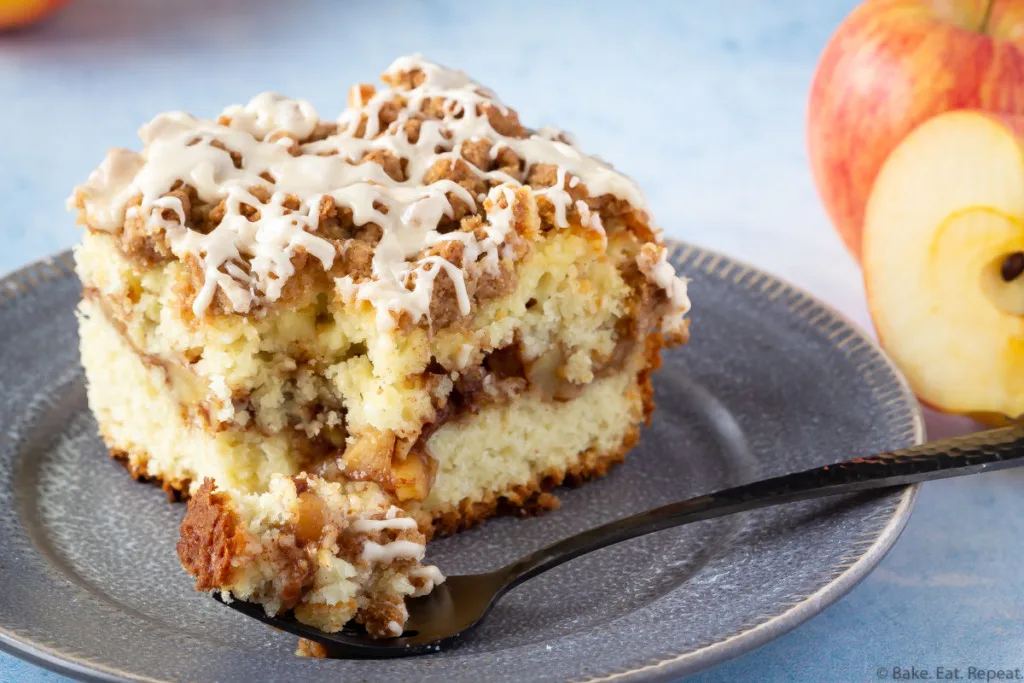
(1003,284)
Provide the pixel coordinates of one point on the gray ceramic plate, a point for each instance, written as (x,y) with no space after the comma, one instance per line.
(772,382)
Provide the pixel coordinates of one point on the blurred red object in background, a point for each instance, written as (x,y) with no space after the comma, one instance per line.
(15,13)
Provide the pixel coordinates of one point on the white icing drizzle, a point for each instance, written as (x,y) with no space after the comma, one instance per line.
(558,197)
(269,112)
(366,526)
(654,264)
(661,273)
(389,552)
(109,188)
(249,257)
(428,572)
(429,577)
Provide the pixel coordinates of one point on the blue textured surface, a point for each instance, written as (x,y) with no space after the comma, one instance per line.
(702,102)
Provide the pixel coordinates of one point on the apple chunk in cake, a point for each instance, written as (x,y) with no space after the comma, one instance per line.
(423,295)
(328,551)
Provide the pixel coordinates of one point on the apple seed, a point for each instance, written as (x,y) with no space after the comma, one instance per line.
(1013,266)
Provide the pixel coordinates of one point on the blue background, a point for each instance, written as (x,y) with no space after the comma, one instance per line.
(703,102)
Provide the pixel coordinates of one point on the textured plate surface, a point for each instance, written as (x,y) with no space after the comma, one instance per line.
(772,382)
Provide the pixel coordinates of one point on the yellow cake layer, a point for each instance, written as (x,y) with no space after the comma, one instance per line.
(497,448)
(570,295)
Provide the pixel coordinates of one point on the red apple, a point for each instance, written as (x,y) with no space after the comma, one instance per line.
(15,13)
(891,65)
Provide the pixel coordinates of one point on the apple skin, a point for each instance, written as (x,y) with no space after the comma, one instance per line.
(18,13)
(891,65)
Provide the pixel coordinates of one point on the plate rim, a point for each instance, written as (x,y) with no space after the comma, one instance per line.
(31,276)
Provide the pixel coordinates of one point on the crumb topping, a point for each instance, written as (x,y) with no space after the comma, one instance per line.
(377,199)
(330,551)
(210,538)
(653,263)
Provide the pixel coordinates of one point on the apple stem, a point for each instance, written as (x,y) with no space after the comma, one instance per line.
(984,19)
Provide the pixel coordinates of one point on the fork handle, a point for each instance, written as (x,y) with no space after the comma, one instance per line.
(981,452)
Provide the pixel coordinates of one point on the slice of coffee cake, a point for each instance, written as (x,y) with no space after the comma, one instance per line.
(424,295)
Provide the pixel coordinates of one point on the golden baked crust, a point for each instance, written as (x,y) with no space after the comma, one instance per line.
(177,490)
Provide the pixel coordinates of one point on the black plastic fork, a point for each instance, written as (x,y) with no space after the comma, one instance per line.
(454,608)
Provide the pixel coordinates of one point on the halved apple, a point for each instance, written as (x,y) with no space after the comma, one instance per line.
(944,261)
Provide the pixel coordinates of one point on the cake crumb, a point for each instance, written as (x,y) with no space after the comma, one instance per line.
(311,648)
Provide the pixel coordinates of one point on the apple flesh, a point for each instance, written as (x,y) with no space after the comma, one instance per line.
(893,64)
(943,239)
(17,13)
